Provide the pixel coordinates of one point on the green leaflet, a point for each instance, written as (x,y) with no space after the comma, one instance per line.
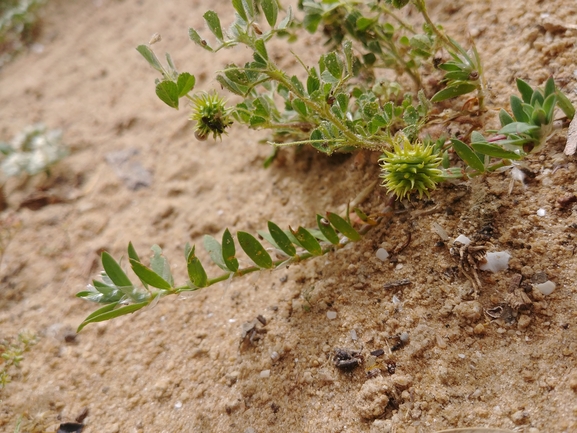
(327,230)
(114,271)
(229,251)
(215,250)
(213,22)
(254,250)
(281,239)
(308,241)
(453,92)
(148,276)
(270,10)
(109,312)
(196,272)
(467,155)
(167,92)
(343,226)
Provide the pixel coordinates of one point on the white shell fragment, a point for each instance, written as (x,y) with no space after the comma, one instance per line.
(541,212)
(546,288)
(331,315)
(382,254)
(265,374)
(496,262)
(463,239)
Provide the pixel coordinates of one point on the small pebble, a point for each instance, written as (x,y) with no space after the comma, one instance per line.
(265,374)
(178,405)
(479,329)
(354,335)
(541,212)
(546,288)
(523,321)
(274,356)
(382,254)
(331,315)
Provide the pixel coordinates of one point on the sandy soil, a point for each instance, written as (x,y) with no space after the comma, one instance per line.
(183,365)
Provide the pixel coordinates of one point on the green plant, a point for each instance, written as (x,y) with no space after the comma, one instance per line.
(12,354)
(339,104)
(18,21)
(121,296)
(34,150)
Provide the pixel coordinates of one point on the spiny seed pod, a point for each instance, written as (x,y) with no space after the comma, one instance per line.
(410,167)
(211,115)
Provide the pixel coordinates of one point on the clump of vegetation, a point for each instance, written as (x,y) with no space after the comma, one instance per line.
(34,150)
(340,104)
(12,353)
(18,26)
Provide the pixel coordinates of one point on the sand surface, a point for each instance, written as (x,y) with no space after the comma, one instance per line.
(183,365)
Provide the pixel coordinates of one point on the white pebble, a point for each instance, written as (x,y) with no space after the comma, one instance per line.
(399,267)
(496,262)
(274,356)
(331,315)
(265,374)
(546,288)
(354,335)
(382,254)
(462,355)
(404,337)
(178,405)
(541,212)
